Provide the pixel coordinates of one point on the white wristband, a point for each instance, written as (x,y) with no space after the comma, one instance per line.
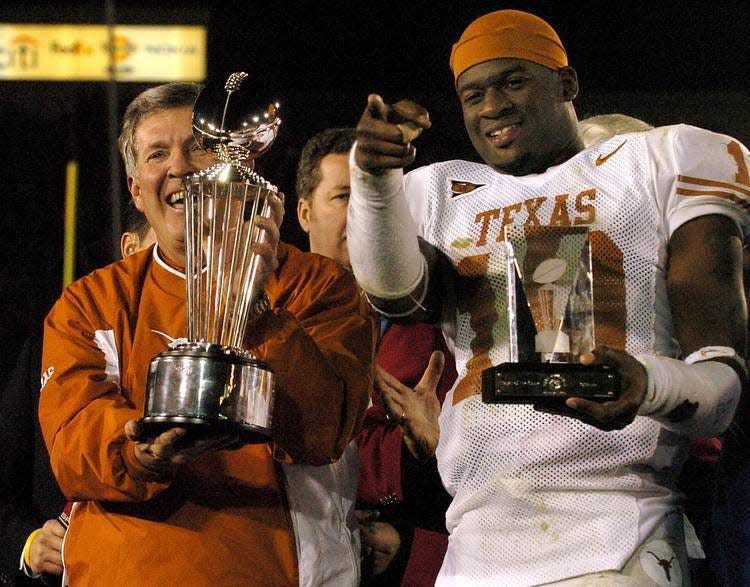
(696,399)
(381,235)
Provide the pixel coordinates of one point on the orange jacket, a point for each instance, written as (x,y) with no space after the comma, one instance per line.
(222,519)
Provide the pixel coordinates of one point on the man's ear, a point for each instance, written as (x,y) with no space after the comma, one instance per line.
(129,243)
(568,83)
(303,214)
(135,191)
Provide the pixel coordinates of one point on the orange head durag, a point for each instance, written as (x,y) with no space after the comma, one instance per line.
(507,34)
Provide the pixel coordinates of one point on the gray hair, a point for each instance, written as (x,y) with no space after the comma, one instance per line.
(164,97)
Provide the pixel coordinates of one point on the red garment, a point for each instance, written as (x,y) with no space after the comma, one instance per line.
(404,351)
(427,552)
(222,519)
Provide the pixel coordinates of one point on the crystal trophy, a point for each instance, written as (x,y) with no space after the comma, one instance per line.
(551,321)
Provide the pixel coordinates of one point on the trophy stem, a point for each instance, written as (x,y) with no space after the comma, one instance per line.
(242,301)
(230,294)
(189,261)
(221,267)
(194,269)
(217,259)
(213,272)
(247,298)
(199,268)
(235,337)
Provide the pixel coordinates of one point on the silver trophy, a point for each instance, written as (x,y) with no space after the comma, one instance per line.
(551,321)
(208,382)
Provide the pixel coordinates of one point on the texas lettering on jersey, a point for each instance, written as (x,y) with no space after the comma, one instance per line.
(566,211)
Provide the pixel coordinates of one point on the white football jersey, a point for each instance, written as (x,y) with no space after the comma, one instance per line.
(537,497)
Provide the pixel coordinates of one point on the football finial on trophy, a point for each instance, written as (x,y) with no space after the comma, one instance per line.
(230,125)
(209,383)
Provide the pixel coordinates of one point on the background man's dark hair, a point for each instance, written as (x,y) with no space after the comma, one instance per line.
(331,140)
(135,221)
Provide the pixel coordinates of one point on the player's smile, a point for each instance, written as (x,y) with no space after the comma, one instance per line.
(177,200)
(504,136)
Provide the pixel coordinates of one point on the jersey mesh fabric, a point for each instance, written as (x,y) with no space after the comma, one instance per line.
(537,497)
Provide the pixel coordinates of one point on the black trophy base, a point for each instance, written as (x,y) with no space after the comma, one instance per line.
(197,428)
(250,434)
(549,383)
(203,429)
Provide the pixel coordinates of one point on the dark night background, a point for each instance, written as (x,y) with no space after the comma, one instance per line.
(664,62)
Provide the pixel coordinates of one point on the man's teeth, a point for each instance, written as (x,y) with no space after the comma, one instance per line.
(176,198)
(497,133)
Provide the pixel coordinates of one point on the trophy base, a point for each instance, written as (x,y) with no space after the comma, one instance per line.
(549,383)
(202,428)
(155,425)
(210,390)
(252,434)
(197,428)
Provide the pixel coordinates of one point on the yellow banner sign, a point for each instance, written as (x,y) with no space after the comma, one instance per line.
(90,53)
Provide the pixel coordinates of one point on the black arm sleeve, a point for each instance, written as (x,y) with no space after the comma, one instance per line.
(17,520)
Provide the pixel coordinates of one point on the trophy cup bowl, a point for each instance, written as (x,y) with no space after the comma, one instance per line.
(229,122)
(208,383)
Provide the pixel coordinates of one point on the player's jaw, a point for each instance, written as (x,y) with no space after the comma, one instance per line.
(165,211)
(173,206)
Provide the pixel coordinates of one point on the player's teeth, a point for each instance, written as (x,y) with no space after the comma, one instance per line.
(501,131)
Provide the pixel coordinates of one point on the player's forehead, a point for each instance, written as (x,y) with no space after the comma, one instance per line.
(495,70)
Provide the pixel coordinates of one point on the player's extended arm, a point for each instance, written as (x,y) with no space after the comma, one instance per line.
(705,285)
(382,237)
(699,395)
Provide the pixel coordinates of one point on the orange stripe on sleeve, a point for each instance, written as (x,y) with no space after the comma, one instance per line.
(711,183)
(726,195)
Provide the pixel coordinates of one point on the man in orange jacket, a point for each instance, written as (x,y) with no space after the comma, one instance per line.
(162,510)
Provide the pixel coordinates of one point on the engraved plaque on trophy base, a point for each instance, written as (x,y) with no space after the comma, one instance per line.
(548,383)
